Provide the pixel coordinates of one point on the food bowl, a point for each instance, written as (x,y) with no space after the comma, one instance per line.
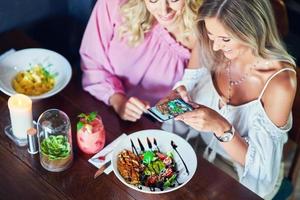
(165,141)
(20,61)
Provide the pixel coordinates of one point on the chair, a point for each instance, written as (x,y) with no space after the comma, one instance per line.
(287,187)
(281,17)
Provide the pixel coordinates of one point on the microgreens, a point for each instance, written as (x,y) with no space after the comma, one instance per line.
(85,118)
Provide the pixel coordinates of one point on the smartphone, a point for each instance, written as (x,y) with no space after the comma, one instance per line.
(169,110)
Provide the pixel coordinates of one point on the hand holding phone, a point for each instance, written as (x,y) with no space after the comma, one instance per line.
(170,109)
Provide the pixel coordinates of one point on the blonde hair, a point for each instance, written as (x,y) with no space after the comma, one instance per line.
(250,21)
(137,20)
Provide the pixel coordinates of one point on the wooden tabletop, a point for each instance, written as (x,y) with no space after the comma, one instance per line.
(23,177)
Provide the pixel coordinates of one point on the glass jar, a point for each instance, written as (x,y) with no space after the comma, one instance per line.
(55,140)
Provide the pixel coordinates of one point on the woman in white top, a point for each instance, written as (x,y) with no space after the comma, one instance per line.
(244,90)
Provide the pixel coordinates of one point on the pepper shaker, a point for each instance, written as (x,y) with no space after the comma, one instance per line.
(32,141)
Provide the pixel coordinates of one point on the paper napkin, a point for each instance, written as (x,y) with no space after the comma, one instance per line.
(108,152)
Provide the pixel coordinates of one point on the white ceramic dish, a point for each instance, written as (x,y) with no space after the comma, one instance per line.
(24,59)
(163,139)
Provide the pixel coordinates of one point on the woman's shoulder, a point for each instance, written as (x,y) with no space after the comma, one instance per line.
(110,6)
(276,74)
(280,90)
(111,3)
(282,77)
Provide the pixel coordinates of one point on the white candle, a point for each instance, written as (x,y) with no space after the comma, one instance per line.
(20,109)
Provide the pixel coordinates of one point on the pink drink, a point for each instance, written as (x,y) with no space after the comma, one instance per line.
(91,137)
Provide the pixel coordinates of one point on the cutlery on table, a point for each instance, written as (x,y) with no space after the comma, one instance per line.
(101,169)
(102,157)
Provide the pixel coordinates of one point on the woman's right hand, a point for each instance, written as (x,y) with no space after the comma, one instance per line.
(128,109)
(179,92)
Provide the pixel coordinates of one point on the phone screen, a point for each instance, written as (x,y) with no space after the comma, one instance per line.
(168,110)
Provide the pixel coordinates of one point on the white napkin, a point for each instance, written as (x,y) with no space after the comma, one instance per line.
(7,53)
(108,152)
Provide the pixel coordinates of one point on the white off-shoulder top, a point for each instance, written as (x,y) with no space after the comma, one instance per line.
(265,139)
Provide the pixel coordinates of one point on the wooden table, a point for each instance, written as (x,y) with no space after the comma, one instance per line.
(22,176)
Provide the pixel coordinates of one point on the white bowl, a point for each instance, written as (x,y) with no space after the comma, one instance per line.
(24,59)
(163,139)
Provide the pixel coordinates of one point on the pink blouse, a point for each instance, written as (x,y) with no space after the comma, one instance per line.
(110,66)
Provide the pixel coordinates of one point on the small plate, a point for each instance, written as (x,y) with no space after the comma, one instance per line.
(164,140)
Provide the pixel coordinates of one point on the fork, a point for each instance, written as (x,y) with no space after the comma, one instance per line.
(101,158)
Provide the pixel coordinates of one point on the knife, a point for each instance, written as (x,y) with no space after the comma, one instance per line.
(101,169)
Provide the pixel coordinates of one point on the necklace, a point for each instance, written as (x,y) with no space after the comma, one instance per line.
(232,83)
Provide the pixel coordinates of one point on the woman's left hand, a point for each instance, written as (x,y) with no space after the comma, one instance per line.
(205,119)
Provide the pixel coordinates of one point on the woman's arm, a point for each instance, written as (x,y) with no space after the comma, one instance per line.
(195,60)
(98,74)
(205,119)
(192,73)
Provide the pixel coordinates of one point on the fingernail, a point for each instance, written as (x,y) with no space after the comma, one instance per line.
(178,118)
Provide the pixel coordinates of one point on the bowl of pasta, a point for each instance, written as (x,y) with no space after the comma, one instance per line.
(37,73)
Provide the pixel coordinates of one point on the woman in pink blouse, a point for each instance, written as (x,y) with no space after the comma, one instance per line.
(133,51)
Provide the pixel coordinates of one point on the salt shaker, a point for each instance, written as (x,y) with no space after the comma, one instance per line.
(32,141)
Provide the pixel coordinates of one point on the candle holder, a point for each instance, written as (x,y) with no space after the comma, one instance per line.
(21,142)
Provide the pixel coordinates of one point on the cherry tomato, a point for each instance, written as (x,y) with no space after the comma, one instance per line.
(168,173)
(161,156)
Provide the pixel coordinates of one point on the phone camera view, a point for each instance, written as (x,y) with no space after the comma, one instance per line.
(170,109)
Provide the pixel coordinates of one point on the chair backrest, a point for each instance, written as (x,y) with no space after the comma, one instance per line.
(294,135)
(281,16)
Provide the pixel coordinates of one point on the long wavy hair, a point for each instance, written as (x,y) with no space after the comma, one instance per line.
(250,21)
(137,20)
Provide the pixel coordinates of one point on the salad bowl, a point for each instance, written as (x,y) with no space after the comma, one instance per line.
(163,144)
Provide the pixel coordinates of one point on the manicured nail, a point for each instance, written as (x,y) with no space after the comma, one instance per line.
(179,118)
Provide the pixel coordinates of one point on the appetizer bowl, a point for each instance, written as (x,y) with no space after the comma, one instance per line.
(156,142)
(49,62)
